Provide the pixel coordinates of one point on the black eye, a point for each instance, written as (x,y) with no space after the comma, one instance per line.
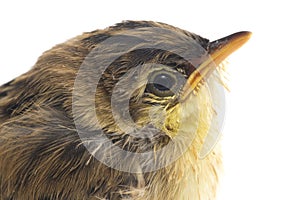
(162,83)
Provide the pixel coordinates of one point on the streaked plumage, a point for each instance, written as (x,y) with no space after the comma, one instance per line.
(41,155)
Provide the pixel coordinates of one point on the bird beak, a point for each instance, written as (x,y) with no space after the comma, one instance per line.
(218,51)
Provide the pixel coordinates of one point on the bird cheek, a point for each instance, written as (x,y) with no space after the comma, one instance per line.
(171,123)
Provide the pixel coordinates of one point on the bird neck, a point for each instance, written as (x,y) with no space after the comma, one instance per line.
(187,178)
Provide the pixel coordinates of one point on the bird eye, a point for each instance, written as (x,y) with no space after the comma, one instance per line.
(162,83)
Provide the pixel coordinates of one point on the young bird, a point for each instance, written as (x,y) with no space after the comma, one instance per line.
(119,113)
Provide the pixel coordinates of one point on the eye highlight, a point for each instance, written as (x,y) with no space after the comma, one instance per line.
(163,83)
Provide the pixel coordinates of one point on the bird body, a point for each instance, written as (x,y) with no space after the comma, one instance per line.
(43,154)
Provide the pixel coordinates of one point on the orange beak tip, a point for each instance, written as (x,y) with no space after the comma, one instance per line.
(218,51)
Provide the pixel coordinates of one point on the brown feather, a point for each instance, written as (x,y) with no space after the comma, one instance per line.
(42,156)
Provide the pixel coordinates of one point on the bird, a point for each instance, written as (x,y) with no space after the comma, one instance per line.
(116,113)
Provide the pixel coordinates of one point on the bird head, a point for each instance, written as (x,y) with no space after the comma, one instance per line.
(146,85)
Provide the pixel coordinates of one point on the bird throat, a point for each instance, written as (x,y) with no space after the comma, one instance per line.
(190,176)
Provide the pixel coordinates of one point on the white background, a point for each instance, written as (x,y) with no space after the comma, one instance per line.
(261,132)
